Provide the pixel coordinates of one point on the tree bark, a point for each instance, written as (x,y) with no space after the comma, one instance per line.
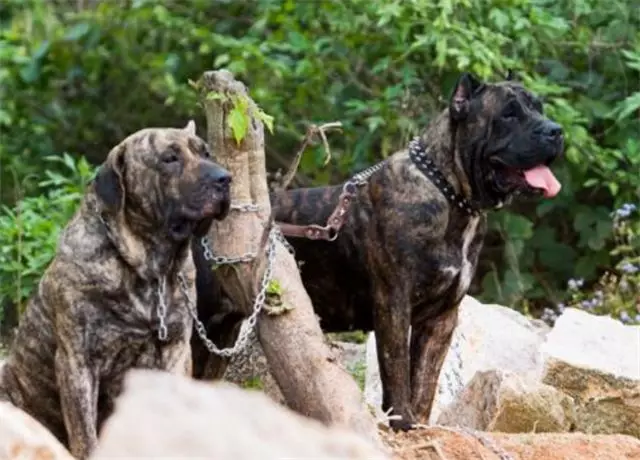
(312,382)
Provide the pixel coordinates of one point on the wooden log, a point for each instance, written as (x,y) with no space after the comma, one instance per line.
(312,382)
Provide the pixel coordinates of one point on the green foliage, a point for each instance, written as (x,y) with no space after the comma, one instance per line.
(352,337)
(617,292)
(29,232)
(80,81)
(358,371)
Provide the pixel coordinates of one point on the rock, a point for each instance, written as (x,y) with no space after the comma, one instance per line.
(249,368)
(487,337)
(24,438)
(160,415)
(452,444)
(502,401)
(596,360)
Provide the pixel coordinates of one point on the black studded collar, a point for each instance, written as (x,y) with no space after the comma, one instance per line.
(418,154)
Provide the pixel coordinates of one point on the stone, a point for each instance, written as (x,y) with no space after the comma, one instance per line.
(23,437)
(160,415)
(505,402)
(487,337)
(445,443)
(596,360)
(249,368)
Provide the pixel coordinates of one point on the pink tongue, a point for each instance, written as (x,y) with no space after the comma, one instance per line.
(542,177)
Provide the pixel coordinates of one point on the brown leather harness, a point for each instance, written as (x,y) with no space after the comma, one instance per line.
(418,155)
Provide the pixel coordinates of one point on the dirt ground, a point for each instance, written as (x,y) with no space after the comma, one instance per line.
(440,443)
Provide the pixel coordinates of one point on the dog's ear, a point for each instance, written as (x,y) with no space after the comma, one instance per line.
(511,75)
(109,181)
(190,128)
(465,88)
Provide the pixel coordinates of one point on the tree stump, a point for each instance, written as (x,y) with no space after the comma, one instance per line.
(312,382)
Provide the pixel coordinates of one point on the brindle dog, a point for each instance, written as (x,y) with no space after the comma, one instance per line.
(115,281)
(409,248)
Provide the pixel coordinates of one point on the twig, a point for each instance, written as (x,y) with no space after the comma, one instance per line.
(426,445)
(312,131)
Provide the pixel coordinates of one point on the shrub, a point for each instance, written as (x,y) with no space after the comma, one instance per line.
(617,292)
(29,231)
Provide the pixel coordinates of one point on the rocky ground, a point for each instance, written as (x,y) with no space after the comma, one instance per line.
(444,443)
(510,389)
(505,373)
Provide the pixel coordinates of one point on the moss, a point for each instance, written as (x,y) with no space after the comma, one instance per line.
(358,371)
(253,383)
(352,336)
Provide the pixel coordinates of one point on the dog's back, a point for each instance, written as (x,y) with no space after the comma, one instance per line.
(333,272)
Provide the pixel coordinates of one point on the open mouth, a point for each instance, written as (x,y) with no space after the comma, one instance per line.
(539,178)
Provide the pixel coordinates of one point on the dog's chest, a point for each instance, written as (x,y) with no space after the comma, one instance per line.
(161,309)
(448,268)
(132,338)
(468,257)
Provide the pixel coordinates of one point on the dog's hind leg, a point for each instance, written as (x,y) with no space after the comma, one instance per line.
(430,342)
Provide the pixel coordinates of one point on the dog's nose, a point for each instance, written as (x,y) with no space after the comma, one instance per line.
(220,177)
(552,130)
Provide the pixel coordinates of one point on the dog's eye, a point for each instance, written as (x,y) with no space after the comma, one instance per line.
(537,105)
(170,156)
(510,112)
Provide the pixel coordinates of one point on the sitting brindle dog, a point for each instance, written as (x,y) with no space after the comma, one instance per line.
(409,246)
(116,295)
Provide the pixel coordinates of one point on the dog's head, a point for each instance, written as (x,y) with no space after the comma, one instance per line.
(504,141)
(165,178)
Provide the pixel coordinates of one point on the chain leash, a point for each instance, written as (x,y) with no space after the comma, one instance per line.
(249,324)
(362,177)
(162,310)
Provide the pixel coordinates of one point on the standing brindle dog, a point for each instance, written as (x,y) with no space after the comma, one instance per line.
(409,247)
(115,295)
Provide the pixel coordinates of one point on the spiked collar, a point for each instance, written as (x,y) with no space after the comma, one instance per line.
(419,156)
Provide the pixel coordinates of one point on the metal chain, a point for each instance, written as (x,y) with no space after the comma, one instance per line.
(162,309)
(362,177)
(223,260)
(245,207)
(275,235)
(284,242)
(248,325)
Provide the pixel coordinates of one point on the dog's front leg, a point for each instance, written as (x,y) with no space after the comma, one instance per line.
(178,359)
(78,388)
(391,323)
(430,341)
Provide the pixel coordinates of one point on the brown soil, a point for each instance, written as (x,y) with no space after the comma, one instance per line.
(443,443)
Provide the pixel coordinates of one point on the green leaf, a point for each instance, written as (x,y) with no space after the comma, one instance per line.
(266,119)
(558,257)
(517,227)
(238,120)
(214,96)
(77,32)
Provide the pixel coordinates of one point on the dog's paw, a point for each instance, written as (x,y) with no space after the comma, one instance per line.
(402,425)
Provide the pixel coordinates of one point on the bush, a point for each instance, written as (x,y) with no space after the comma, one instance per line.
(79,81)
(617,292)
(29,232)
